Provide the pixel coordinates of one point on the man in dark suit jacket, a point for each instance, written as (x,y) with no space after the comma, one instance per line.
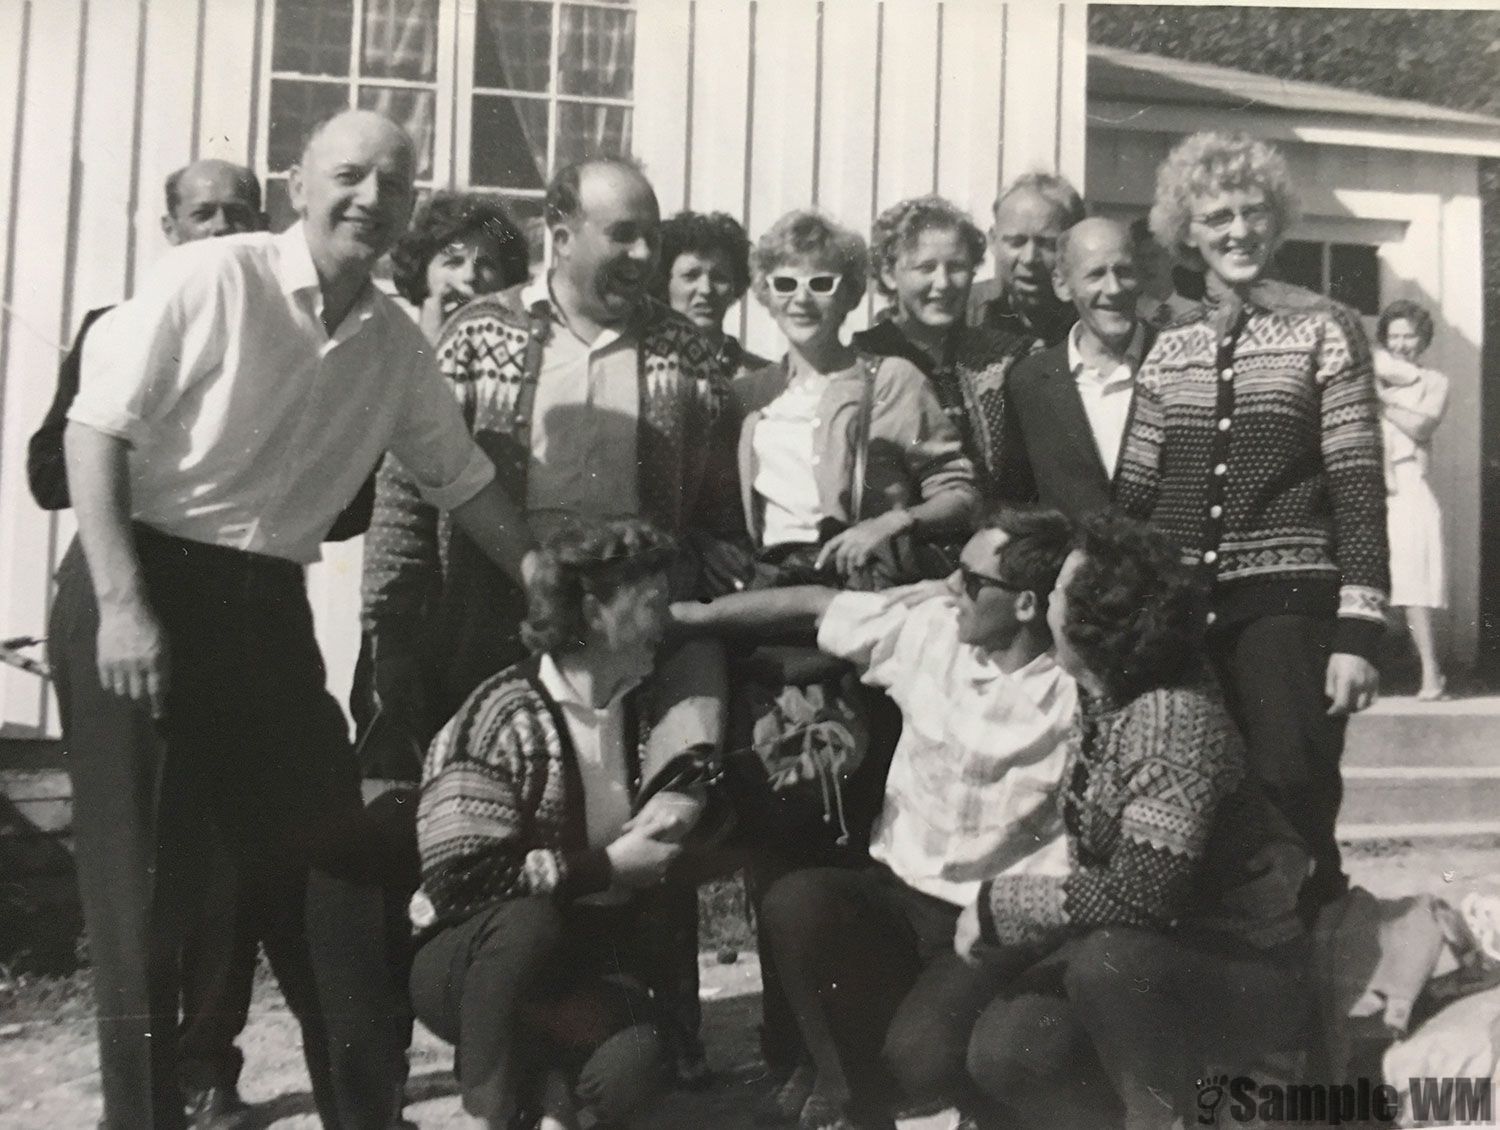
(1068,407)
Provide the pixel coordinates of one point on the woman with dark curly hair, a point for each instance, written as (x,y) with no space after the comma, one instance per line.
(1412,400)
(538,873)
(460,245)
(1181,877)
(1254,445)
(705,269)
(923,254)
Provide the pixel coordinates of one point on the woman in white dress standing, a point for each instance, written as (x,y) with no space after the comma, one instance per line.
(1412,399)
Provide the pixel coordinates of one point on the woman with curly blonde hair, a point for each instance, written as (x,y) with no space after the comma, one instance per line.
(924,252)
(1255,447)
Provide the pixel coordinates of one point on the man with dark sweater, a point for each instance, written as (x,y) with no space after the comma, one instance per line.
(1030,215)
(205,199)
(1068,406)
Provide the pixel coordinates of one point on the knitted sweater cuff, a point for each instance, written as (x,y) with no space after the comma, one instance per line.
(1357,636)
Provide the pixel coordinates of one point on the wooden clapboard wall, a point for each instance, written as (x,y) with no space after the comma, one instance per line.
(99,101)
(750,106)
(755,107)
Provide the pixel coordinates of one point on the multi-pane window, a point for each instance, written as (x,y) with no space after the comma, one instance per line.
(546,84)
(328,55)
(497,93)
(1346,272)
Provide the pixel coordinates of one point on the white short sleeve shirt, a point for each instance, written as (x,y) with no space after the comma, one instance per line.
(250,426)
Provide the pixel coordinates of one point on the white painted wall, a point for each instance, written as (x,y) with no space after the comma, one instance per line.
(1423,210)
(853,105)
(751,106)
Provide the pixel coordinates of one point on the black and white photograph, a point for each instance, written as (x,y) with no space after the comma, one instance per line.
(733,564)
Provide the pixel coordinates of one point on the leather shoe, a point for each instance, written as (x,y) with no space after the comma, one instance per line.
(218,1108)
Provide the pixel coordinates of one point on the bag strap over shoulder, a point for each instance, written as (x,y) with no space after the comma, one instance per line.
(862,437)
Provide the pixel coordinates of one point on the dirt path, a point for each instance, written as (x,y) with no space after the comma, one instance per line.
(49,1078)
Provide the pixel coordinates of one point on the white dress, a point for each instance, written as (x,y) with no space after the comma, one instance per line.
(1414,520)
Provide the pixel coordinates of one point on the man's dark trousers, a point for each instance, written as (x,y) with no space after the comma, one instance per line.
(253,752)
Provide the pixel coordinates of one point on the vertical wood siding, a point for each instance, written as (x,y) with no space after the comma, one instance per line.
(853,105)
(749,106)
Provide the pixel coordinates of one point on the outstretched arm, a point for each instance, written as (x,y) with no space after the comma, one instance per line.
(764,612)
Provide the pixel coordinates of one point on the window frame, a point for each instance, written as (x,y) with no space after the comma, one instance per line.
(454,91)
(1325,246)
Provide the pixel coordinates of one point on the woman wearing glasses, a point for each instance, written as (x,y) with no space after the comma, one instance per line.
(847,460)
(1255,447)
(924,252)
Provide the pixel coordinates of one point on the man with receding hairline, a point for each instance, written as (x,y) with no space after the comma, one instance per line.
(204,199)
(226,414)
(597,403)
(1067,407)
(1030,214)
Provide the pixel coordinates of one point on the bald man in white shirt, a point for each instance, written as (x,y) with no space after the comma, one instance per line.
(226,414)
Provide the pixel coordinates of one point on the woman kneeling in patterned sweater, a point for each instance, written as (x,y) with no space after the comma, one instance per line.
(535,949)
(1173,945)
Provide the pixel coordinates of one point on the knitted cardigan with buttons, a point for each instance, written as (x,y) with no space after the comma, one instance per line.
(1255,446)
(1163,829)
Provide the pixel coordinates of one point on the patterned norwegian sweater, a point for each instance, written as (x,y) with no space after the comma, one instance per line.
(429,591)
(501,813)
(1163,829)
(969,384)
(1255,446)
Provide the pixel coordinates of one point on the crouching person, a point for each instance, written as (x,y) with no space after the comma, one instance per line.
(1173,948)
(535,872)
(865,956)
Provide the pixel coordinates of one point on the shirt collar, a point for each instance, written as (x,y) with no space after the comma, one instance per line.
(294,263)
(297,274)
(984,669)
(1133,352)
(564,693)
(536,299)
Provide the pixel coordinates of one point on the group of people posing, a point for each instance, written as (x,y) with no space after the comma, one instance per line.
(1078,580)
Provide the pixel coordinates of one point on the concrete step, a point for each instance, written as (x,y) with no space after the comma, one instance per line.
(1411,769)
(1418,769)
(1404,732)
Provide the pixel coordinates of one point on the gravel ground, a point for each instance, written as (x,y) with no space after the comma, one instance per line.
(49,1077)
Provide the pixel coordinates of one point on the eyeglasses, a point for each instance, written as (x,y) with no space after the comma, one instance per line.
(1258,218)
(786,283)
(976,583)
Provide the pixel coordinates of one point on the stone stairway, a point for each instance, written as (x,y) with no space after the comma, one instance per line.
(1421,769)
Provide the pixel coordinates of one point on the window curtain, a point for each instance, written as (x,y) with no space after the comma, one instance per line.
(595,58)
(400,41)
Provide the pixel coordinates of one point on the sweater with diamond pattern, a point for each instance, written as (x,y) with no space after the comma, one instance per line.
(1255,446)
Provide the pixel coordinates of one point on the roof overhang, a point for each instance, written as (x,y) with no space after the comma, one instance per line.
(1130,91)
